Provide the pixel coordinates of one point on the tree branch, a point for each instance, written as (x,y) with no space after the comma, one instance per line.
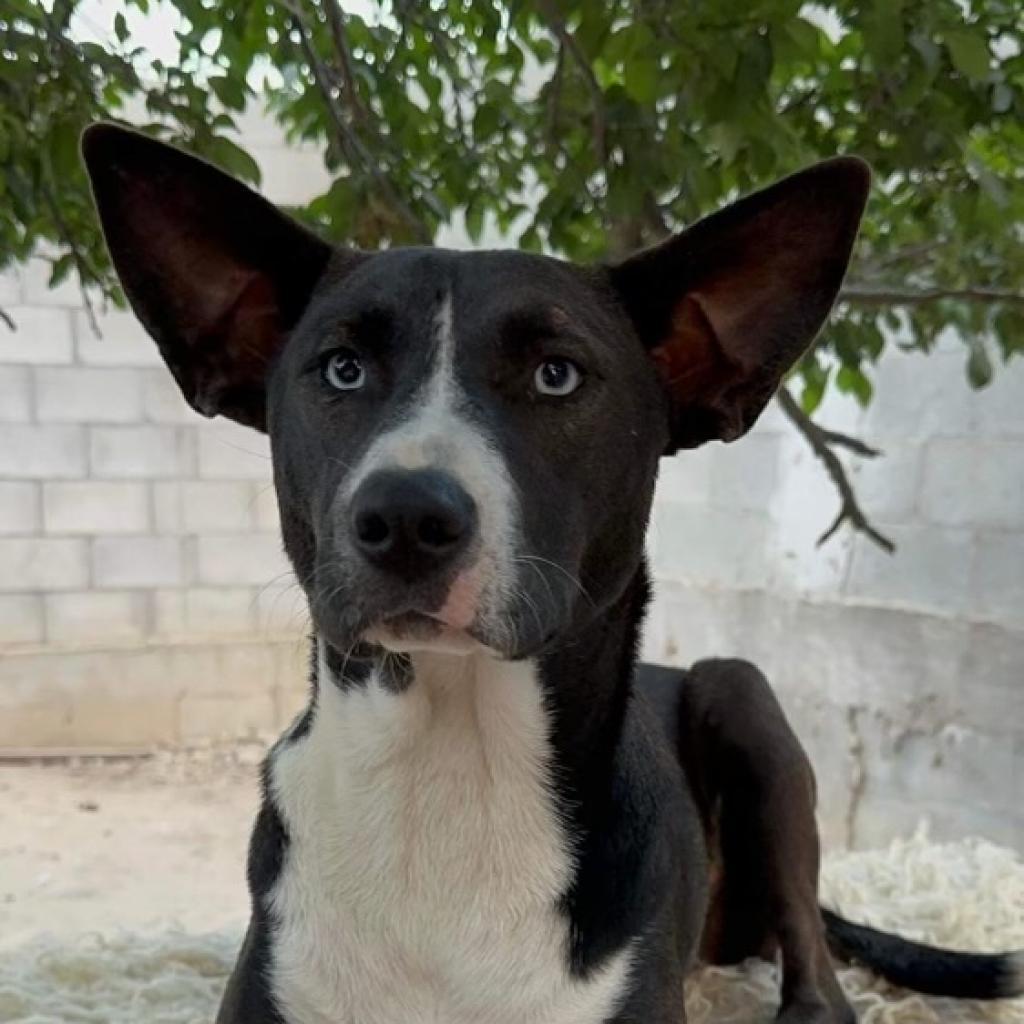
(339,35)
(865,295)
(561,32)
(348,142)
(86,272)
(822,442)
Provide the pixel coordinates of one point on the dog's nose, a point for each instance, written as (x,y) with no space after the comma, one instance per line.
(411,522)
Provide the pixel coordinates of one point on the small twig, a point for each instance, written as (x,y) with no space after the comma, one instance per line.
(555,95)
(598,119)
(853,444)
(5,316)
(85,272)
(907,252)
(349,143)
(863,295)
(821,442)
(339,36)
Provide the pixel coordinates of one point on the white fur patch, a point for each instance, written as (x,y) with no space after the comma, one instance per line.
(438,436)
(426,858)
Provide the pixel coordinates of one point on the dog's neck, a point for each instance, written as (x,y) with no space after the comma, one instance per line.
(584,680)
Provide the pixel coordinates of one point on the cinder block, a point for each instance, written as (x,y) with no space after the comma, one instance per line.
(204,612)
(128,562)
(204,506)
(142,721)
(970,482)
(239,559)
(997,579)
(281,608)
(720,547)
(228,451)
(93,617)
(95,507)
(930,570)
(685,478)
(122,340)
(21,619)
(43,564)
(42,336)
(246,668)
(268,515)
(141,452)
(990,679)
(999,409)
(745,475)
(48,452)
(10,286)
(79,394)
(803,507)
(35,284)
(204,717)
(19,508)
(919,397)
(36,723)
(887,487)
(15,393)
(164,402)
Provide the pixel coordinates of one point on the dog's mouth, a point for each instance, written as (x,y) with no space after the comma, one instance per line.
(413,624)
(415,630)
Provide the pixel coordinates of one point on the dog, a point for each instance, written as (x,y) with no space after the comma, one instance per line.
(489,812)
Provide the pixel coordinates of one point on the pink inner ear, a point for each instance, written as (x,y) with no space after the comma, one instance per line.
(691,359)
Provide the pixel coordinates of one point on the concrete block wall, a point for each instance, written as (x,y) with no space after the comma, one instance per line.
(903,674)
(144,597)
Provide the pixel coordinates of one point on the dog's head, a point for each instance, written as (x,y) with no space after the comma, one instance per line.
(465,444)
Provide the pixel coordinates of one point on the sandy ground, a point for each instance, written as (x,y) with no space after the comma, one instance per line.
(102,846)
(128,849)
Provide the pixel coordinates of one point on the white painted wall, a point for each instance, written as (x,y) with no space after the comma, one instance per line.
(144,599)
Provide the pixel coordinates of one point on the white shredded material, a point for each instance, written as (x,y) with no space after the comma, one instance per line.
(968,895)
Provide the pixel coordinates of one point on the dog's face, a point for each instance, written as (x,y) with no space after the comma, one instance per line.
(465,444)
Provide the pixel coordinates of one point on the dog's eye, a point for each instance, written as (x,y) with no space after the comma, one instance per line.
(344,370)
(557,376)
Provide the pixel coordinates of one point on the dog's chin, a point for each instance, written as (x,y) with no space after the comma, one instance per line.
(413,632)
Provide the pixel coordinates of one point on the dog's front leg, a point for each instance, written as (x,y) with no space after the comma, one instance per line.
(247,998)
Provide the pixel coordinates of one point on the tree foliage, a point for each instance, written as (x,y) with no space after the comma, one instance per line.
(583,127)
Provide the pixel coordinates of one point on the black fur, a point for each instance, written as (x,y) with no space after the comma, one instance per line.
(655,774)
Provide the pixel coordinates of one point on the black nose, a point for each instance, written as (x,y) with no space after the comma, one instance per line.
(411,522)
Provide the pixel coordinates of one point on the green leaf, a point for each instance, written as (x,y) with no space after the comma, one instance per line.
(230,91)
(641,79)
(883,32)
(120,27)
(1008,327)
(475,221)
(979,366)
(851,380)
(60,269)
(234,159)
(969,52)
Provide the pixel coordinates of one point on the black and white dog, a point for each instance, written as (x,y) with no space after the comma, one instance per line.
(489,813)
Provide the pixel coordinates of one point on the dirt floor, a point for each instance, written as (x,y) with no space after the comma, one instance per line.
(129,849)
(99,846)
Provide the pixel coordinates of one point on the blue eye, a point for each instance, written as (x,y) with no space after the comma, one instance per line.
(558,377)
(344,370)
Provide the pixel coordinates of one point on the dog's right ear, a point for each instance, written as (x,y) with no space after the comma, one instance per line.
(216,274)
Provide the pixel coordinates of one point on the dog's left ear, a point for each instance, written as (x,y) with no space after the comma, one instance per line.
(217,275)
(727,307)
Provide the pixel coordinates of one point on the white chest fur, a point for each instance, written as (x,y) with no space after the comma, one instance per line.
(426,859)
